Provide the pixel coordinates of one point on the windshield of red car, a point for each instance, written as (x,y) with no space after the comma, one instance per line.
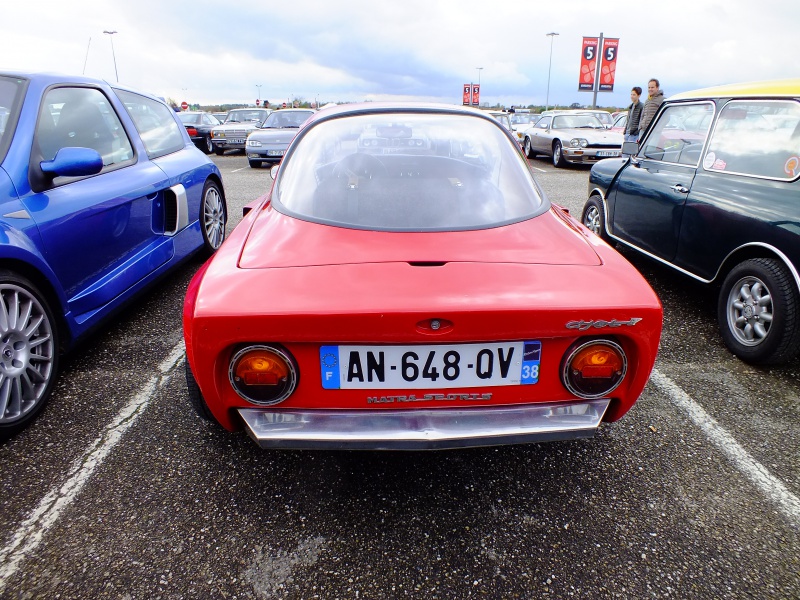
(407,172)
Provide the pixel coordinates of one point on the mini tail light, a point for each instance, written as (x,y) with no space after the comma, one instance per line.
(594,368)
(263,375)
(191,131)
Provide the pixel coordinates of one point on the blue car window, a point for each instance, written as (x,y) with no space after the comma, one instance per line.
(757,137)
(81,117)
(12,91)
(155,122)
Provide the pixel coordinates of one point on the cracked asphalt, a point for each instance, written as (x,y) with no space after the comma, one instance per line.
(119,491)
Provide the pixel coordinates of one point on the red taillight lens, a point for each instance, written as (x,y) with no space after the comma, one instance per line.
(191,131)
(263,375)
(594,368)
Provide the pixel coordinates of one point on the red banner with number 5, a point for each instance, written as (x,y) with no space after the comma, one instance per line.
(588,64)
(609,67)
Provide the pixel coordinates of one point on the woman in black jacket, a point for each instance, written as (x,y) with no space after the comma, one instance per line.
(634,116)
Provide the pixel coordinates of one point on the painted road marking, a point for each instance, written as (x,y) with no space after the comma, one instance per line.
(771,486)
(31,531)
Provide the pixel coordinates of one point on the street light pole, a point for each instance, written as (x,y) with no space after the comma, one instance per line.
(551,35)
(479,81)
(111,37)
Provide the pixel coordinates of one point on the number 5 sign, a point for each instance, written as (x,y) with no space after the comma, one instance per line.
(609,67)
(608,64)
(588,64)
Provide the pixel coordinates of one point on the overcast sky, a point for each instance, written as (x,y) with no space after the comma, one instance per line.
(354,50)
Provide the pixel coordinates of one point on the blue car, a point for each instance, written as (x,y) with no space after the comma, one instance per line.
(101,193)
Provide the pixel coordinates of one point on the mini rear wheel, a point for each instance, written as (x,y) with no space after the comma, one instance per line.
(759,312)
(255,164)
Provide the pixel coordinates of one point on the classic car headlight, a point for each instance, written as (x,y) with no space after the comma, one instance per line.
(217,134)
(594,368)
(264,375)
(578,143)
(253,143)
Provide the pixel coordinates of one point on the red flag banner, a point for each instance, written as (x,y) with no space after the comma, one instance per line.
(609,67)
(476,95)
(588,64)
(467,94)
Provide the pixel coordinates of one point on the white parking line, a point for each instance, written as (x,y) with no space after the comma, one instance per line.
(770,485)
(31,531)
(538,169)
(237,170)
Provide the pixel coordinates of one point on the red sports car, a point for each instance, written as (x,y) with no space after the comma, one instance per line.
(406,284)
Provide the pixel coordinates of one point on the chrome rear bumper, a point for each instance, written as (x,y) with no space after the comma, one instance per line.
(430,429)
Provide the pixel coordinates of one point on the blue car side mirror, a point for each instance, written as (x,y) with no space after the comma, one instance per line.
(73,162)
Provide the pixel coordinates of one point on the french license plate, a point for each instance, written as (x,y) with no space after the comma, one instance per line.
(236,141)
(276,152)
(431,366)
(608,153)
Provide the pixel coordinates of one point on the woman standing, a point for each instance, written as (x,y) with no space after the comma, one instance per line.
(634,116)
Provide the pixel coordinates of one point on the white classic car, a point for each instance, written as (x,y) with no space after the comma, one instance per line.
(572,138)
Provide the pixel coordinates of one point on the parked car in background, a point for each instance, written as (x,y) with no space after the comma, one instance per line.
(268,142)
(620,121)
(602,115)
(504,119)
(415,292)
(199,125)
(220,116)
(572,137)
(101,192)
(714,192)
(232,134)
(521,122)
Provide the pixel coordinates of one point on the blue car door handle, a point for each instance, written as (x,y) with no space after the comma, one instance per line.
(680,189)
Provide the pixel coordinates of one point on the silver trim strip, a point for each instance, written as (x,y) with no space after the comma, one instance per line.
(429,429)
(789,265)
(20,214)
(181,207)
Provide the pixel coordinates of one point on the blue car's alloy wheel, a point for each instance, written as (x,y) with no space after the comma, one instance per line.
(214,216)
(28,353)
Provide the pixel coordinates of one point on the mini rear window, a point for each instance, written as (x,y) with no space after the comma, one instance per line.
(757,137)
(407,172)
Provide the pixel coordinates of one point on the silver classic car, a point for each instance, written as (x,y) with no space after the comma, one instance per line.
(572,138)
(232,134)
(268,142)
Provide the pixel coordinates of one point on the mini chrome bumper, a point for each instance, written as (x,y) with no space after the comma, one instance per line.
(430,429)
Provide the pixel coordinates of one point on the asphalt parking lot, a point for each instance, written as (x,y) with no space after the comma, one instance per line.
(120,491)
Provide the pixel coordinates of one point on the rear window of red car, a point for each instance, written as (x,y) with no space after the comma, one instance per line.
(415,171)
